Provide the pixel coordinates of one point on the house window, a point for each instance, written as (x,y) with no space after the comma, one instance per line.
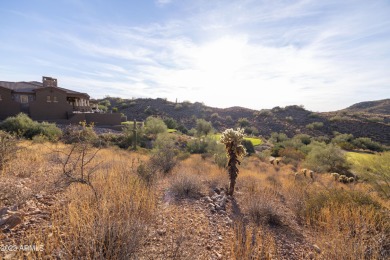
(48,99)
(55,99)
(23,99)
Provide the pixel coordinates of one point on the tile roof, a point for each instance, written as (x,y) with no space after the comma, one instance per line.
(31,86)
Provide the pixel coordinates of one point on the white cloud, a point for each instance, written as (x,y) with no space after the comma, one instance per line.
(163,2)
(259,54)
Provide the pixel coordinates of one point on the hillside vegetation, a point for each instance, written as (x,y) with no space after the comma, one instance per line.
(290,120)
(92,196)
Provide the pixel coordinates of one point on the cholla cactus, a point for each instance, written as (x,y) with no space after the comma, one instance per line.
(234,150)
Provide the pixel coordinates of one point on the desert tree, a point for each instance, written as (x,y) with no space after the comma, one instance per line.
(78,165)
(235,150)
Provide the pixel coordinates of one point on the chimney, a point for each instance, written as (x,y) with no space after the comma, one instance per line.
(49,82)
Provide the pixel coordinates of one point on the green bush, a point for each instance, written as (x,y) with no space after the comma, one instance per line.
(155,126)
(275,151)
(170,123)
(163,157)
(24,126)
(315,125)
(278,137)
(251,130)
(182,129)
(198,146)
(250,149)
(203,127)
(367,143)
(220,157)
(243,122)
(326,158)
(304,138)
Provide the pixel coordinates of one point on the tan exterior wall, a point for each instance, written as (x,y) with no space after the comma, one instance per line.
(104,119)
(8,107)
(56,107)
(97,119)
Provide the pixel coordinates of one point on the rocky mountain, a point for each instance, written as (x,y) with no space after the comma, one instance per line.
(367,119)
(374,107)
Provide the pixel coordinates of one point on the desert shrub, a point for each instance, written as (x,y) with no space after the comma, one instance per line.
(276,149)
(314,115)
(215,116)
(315,125)
(197,146)
(178,106)
(321,139)
(203,127)
(338,118)
(291,155)
(250,149)
(24,126)
(326,158)
(80,133)
(250,242)
(265,112)
(262,210)
(186,186)
(105,102)
(163,157)
(147,173)
(251,130)
(229,119)
(50,131)
(182,129)
(155,126)
(315,201)
(367,143)
(116,229)
(170,123)
(201,145)
(220,157)
(278,137)
(376,119)
(243,122)
(8,148)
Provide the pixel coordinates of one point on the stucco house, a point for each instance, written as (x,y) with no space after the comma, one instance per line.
(47,101)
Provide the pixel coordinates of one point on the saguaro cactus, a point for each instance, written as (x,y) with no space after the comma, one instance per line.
(235,150)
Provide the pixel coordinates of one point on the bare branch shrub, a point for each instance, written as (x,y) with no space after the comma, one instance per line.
(78,165)
(8,148)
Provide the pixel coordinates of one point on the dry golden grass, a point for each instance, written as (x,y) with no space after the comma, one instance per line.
(346,221)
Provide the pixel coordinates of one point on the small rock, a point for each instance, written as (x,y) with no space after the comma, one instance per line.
(161,231)
(219,256)
(317,249)
(208,199)
(311,255)
(211,206)
(3,211)
(11,222)
(219,238)
(208,247)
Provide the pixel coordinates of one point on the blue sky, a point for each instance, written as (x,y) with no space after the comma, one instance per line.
(325,55)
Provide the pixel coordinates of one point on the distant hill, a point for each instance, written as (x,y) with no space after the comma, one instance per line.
(291,120)
(374,107)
